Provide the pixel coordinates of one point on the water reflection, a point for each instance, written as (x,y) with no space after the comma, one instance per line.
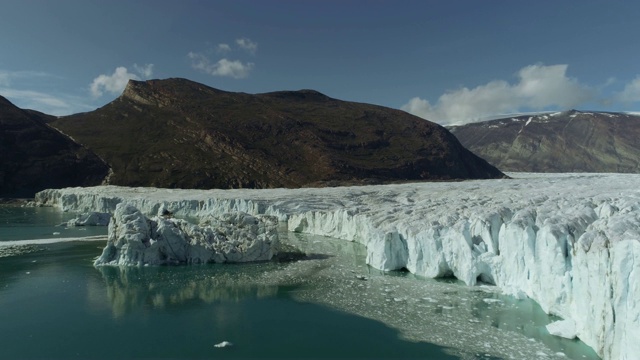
(132,288)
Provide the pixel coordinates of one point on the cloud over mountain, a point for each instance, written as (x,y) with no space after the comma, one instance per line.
(237,69)
(223,67)
(538,87)
(116,82)
(631,92)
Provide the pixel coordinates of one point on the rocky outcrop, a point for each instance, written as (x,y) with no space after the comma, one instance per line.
(34,156)
(135,239)
(570,141)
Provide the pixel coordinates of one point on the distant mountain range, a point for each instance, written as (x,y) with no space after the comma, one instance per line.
(569,141)
(176,133)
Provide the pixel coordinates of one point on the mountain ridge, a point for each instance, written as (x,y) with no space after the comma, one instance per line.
(179,133)
(567,141)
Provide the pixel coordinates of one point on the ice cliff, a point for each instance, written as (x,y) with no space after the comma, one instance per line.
(135,239)
(571,242)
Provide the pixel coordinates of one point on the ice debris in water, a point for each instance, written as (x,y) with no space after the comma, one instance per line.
(223,344)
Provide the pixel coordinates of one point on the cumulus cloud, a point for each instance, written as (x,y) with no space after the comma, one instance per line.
(538,87)
(223,67)
(116,82)
(247,44)
(631,92)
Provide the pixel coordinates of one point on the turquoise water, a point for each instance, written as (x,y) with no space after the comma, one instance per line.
(21,223)
(55,304)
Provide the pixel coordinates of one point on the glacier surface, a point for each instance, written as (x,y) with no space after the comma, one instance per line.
(571,242)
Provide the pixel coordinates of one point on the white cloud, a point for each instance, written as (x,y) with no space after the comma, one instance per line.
(631,92)
(539,87)
(116,82)
(26,98)
(46,103)
(223,67)
(223,48)
(35,97)
(145,71)
(247,44)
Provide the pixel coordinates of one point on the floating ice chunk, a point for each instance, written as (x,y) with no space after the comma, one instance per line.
(90,219)
(223,344)
(491,301)
(135,239)
(563,328)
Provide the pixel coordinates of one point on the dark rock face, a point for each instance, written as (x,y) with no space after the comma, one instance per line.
(34,156)
(178,133)
(570,141)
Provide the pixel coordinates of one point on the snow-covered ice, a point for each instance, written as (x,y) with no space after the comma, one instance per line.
(568,241)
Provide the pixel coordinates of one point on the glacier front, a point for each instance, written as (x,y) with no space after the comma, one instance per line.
(571,242)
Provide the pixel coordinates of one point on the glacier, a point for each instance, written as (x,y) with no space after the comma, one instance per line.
(571,242)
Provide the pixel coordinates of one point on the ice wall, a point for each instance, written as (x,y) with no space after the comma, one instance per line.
(570,242)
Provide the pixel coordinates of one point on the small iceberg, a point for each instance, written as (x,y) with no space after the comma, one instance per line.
(223,344)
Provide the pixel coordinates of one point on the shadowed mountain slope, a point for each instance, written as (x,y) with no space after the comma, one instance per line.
(33,156)
(570,141)
(178,133)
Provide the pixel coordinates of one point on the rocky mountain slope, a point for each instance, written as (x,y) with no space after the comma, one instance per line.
(570,141)
(34,156)
(178,133)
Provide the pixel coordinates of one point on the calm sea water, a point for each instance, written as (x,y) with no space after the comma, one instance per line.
(21,223)
(55,304)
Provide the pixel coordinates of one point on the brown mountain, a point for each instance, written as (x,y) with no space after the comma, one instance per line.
(178,133)
(34,156)
(570,141)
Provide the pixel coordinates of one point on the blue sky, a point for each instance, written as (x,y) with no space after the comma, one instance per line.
(447,61)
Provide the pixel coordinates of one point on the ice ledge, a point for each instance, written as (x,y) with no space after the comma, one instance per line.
(569,241)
